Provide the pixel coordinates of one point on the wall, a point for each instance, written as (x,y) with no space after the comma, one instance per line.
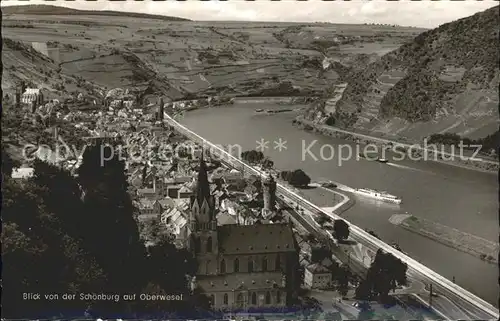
(246,296)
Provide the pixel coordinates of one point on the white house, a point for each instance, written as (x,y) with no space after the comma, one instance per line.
(317,276)
(23,173)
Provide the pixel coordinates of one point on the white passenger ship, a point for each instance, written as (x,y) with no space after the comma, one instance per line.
(383,196)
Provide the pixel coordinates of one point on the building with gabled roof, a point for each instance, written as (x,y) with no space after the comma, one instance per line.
(224,218)
(176,222)
(317,276)
(154,206)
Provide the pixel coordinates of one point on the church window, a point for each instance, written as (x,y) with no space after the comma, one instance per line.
(250,265)
(264,264)
(236,265)
(208,267)
(223,266)
(268,297)
(226,298)
(239,299)
(209,244)
(212,299)
(278,262)
(278,297)
(254,298)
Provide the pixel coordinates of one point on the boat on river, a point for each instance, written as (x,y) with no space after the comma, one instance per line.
(379,195)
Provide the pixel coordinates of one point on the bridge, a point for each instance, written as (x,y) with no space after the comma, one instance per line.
(470,305)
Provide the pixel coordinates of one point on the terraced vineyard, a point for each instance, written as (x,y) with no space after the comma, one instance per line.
(444,81)
(176,58)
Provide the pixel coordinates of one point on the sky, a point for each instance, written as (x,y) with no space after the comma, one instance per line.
(426,14)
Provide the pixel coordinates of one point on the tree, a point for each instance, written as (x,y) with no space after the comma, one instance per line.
(341,230)
(363,291)
(322,219)
(299,178)
(172,266)
(366,311)
(219,182)
(330,121)
(267,163)
(342,279)
(81,244)
(285,175)
(41,230)
(252,156)
(8,164)
(115,239)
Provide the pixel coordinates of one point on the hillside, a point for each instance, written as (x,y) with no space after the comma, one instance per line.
(443,81)
(59,11)
(68,52)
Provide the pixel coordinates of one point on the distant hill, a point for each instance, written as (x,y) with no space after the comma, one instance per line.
(444,81)
(61,11)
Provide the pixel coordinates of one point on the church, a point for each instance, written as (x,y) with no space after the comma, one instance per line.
(240,267)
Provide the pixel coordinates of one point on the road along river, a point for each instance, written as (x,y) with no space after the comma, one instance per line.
(452,196)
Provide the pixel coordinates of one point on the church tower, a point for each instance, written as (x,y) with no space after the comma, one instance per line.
(203,241)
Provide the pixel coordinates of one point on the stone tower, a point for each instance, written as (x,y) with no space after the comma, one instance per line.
(269,194)
(203,240)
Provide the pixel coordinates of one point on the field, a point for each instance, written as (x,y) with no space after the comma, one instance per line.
(72,53)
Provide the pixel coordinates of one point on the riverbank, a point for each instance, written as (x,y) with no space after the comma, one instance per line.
(462,162)
(216,101)
(337,204)
(337,207)
(286,100)
(456,239)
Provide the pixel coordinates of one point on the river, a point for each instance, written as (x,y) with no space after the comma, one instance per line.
(453,196)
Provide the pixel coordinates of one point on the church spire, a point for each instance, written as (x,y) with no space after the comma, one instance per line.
(202,191)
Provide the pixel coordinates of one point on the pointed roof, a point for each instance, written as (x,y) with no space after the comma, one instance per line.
(202,189)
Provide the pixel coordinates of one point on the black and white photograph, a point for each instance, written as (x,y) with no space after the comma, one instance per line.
(250,160)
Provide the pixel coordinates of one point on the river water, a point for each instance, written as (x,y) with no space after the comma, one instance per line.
(456,197)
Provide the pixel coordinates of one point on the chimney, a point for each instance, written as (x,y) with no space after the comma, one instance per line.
(18,99)
(160,110)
